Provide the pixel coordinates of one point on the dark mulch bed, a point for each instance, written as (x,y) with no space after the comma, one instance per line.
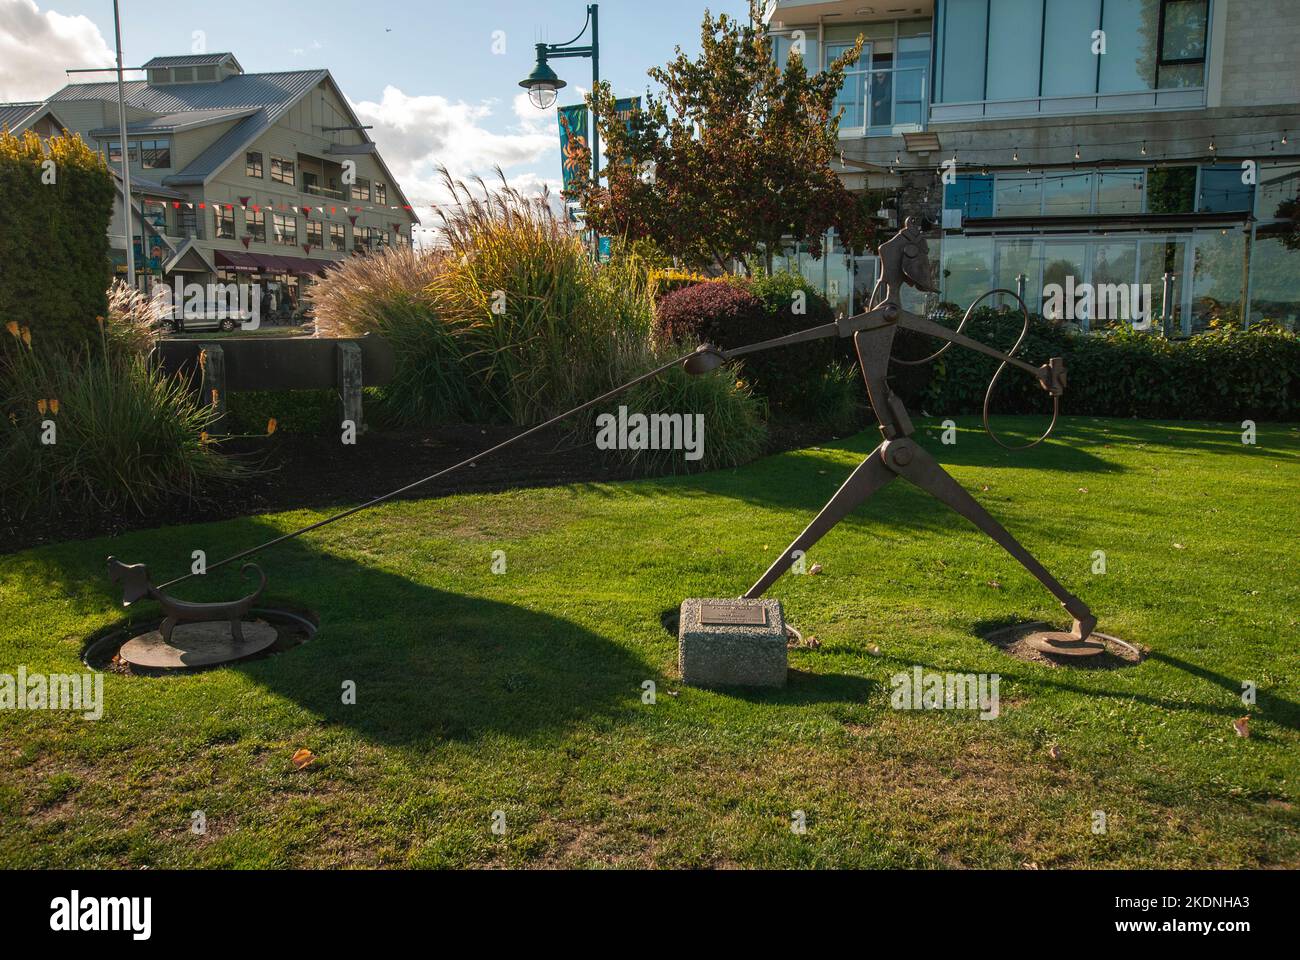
(302,471)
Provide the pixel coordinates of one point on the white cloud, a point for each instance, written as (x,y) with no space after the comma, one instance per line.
(417,133)
(36,47)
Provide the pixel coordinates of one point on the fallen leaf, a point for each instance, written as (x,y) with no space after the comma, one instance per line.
(1054,752)
(816,568)
(1242,726)
(1179,546)
(995,585)
(813,642)
(873,650)
(302,757)
(1083,489)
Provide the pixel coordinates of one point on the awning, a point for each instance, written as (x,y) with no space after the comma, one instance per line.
(236,261)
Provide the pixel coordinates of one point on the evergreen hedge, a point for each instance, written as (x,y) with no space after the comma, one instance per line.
(54,242)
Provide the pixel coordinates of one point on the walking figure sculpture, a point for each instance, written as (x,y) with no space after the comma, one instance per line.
(904,259)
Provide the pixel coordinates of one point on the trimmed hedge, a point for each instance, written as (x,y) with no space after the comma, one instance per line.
(54,244)
(1225,374)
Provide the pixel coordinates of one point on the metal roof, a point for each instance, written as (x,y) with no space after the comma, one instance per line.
(13,114)
(192,60)
(173,122)
(269,94)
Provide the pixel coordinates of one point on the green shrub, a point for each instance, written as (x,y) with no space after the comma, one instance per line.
(306,412)
(126,435)
(1226,374)
(387,293)
(54,254)
(734,427)
(835,398)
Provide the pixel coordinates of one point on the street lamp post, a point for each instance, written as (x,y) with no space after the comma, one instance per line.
(125,154)
(542,84)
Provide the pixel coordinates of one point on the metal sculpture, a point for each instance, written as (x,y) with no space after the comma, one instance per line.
(905,260)
(134,578)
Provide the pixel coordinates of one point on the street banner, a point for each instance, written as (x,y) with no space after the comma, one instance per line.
(573,140)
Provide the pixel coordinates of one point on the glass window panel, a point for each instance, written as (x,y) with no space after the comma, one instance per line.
(1018,195)
(1014,28)
(1119,191)
(1222,190)
(913,52)
(1274,293)
(1185,27)
(1171,190)
(1218,259)
(1129,63)
(971,194)
(915,28)
(1114,277)
(1276,184)
(1019,257)
(1155,258)
(1067,193)
(962,61)
(967,268)
(882,98)
(1067,47)
(1063,266)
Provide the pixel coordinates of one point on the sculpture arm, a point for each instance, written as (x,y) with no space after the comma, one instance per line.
(1051,375)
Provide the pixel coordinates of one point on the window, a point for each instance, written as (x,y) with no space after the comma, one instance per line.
(1128,64)
(282,170)
(255,224)
(225,223)
(155,154)
(160,75)
(972,195)
(359,238)
(1019,195)
(336,237)
(1183,26)
(1119,191)
(1171,190)
(115,151)
(361,189)
(1066,194)
(253,165)
(963,59)
(1222,191)
(205,73)
(314,232)
(285,227)
(1013,54)
(1071,66)
(183,74)
(381,193)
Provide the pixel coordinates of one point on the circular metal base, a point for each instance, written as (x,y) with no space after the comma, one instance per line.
(197,645)
(1060,644)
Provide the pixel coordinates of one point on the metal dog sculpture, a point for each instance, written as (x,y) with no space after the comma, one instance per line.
(134,578)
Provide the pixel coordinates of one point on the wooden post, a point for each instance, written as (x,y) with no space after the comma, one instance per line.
(349,382)
(212,384)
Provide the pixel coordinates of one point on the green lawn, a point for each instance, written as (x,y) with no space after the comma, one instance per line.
(521,692)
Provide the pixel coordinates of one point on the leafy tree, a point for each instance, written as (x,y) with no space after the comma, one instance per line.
(731,156)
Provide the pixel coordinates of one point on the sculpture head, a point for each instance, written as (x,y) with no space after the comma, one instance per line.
(905,258)
(134,578)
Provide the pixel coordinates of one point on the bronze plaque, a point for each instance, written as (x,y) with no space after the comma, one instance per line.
(733,614)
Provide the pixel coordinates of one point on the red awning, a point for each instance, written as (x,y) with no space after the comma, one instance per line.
(236,261)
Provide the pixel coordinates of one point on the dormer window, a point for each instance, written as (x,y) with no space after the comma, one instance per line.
(160,75)
(205,74)
(183,74)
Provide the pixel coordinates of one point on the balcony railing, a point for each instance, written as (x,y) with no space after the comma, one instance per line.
(884,101)
(319,191)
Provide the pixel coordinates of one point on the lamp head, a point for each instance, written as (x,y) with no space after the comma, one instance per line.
(542,84)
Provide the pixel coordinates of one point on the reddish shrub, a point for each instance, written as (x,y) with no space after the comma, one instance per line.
(713,312)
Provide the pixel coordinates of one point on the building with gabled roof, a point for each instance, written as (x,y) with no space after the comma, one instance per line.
(262,176)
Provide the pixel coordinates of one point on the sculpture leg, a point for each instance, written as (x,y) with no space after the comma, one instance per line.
(166,629)
(870,476)
(236,628)
(914,464)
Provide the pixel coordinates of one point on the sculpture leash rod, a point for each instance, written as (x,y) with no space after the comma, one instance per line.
(433,476)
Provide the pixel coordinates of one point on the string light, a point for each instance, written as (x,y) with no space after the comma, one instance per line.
(1144,148)
(1212,146)
(1284,138)
(1076,151)
(1015,157)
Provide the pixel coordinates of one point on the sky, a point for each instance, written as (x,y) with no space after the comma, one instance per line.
(426,74)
